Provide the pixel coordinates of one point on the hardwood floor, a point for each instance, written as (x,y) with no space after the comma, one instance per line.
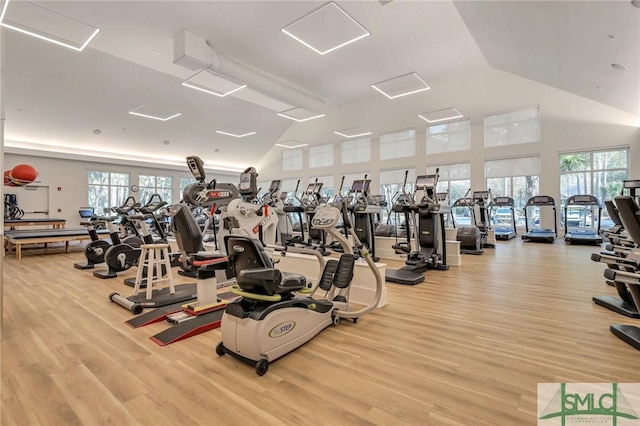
(466,347)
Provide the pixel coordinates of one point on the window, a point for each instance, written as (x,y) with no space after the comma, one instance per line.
(356,151)
(518,178)
(449,137)
(327,185)
(455,179)
(291,159)
(391,187)
(321,156)
(513,127)
(184,182)
(107,190)
(598,173)
(161,185)
(397,145)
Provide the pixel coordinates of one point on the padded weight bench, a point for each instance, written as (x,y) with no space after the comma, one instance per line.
(16,239)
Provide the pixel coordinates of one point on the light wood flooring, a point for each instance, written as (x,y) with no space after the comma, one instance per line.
(466,347)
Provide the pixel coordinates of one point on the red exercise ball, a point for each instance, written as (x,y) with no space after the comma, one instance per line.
(7,178)
(23,174)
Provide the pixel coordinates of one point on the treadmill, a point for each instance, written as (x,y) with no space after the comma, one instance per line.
(540,235)
(628,210)
(582,236)
(501,231)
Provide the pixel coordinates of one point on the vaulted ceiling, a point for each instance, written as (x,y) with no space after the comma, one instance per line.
(58,99)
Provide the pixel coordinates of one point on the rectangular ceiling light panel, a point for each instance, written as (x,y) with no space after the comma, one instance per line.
(235,135)
(326,29)
(156,113)
(291,144)
(46,24)
(403,85)
(213,83)
(352,133)
(299,114)
(440,115)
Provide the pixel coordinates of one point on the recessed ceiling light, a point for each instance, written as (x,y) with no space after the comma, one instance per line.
(97,131)
(46,24)
(299,114)
(213,83)
(291,144)
(635,3)
(155,113)
(619,67)
(326,29)
(440,115)
(234,134)
(166,142)
(403,85)
(349,135)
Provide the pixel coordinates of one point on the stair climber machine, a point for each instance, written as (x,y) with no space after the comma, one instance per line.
(246,216)
(538,234)
(502,211)
(363,214)
(295,216)
(270,320)
(124,252)
(586,203)
(431,247)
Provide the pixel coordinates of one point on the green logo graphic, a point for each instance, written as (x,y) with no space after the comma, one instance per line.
(583,407)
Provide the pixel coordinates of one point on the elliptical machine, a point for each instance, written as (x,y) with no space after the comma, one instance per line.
(431,247)
(269,321)
(295,215)
(363,213)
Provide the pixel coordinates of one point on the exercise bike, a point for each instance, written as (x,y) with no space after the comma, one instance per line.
(269,320)
(124,253)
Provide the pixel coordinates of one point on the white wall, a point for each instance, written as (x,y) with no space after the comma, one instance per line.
(568,123)
(71,177)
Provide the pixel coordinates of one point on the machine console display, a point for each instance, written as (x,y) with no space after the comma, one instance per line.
(275,186)
(502,200)
(314,188)
(360,185)
(425,182)
(635,183)
(196,166)
(583,198)
(480,195)
(542,200)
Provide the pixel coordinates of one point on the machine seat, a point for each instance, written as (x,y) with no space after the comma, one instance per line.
(203,256)
(270,281)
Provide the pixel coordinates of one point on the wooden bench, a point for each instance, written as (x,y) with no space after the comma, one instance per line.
(54,223)
(14,240)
